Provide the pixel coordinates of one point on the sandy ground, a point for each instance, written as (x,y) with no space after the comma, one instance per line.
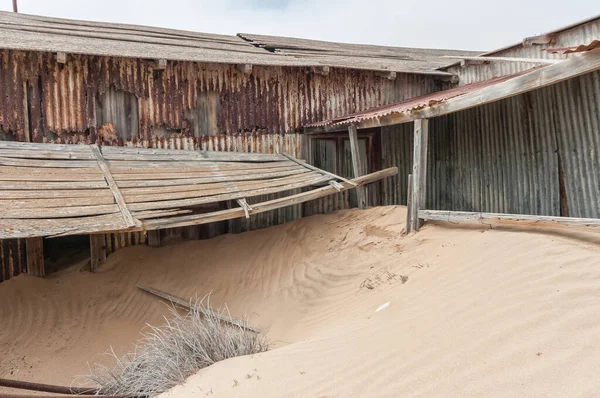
(472,311)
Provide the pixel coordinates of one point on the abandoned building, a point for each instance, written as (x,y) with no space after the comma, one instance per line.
(513,131)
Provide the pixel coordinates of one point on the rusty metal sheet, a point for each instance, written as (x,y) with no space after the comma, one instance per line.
(575,49)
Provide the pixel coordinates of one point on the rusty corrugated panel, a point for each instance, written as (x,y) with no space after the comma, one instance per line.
(13,258)
(583,34)
(575,49)
(187,98)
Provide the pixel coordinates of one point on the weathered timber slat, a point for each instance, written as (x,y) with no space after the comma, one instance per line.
(57,193)
(229,214)
(212,173)
(207,180)
(53,185)
(52,212)
(7,161)
(38,154)
(124,167)
(129,221)
(143,215)
(26,228)
(55,202)
(234,194)
(313,168)
(194,191)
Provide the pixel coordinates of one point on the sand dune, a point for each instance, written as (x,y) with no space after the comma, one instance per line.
(472,311)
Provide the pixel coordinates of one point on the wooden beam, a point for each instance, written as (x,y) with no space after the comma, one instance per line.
(485,59)
(129,221)
(548,38)
(419,171)
(409,204)
(542,77)
(244,68)
(390,75)
(35,256)
(318,170)
(320,70)
(356,164)
(509,219)
(61,57)
(97,251)
(160,64)
(154,239)
(191,305)
(274,204)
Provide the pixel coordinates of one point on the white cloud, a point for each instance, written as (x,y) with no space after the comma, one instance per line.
(460,24)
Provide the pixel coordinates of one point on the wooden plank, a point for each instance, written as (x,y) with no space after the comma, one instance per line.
(44,154)
(36,185)
(97,251)
(58,193)
(409,204)
(213,179)
(34,170)
(59,212)
(356,164)
(137,195)
(318,170)
(485,58)
(567,69)
(197,219)
(26,124)
(56,202)
(523,220)
(27,228)
(49,177)
(7,161)
(191,305)
(233,194)
(44,147)
(129,221)
(35,256)
(126,167)
(419,171)
(144,215)
(208,173)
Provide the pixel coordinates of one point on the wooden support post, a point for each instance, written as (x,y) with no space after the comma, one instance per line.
(421,135)
(97,251)
(409,204)
(35,256)
(356,164)
(154,238)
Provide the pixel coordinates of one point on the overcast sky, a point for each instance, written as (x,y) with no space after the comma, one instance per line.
(456,24)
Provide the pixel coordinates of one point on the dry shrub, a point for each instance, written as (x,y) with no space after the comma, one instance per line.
(169,354)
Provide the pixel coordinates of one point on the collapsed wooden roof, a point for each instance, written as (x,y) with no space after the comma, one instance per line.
(50,190)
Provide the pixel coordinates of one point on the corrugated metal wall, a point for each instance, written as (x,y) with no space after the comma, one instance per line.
(537,153)
(583,34)
(119,101)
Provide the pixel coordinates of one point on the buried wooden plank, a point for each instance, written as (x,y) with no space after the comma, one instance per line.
(233,194)
(211,179)
(189,305)
(129,221)
(228,214)
(508,219)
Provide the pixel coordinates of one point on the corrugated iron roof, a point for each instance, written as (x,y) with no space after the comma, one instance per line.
(416,103)
(38,33)
(578,49)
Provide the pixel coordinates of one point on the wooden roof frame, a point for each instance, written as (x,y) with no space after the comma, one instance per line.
(574,66)
(57,190)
